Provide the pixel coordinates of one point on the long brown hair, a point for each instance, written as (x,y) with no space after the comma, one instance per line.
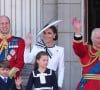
(55,31)
(38,56)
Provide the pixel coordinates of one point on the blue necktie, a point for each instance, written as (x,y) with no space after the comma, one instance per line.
(5,80)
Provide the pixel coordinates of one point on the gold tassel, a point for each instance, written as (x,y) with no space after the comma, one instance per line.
(12,72)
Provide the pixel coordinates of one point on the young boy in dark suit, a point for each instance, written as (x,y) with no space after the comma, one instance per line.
(5,82)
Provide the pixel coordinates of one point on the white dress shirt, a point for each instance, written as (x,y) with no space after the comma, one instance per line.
(4,77)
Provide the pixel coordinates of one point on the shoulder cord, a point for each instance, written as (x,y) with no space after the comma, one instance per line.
(91,54)
(4,43)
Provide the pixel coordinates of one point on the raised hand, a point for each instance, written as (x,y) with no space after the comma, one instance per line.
(28,40)
(18,82)
(77,25)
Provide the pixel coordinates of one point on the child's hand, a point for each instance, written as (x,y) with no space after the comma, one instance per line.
(18,82)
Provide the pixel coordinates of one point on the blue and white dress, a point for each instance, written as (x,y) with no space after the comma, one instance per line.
(42,81)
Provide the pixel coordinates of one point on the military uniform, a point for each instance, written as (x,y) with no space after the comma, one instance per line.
(12,49)
(89,58)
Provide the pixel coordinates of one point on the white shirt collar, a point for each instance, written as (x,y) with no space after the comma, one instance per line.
(3,77)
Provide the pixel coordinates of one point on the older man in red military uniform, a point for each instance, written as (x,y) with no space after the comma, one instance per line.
(11,47)
(89,56)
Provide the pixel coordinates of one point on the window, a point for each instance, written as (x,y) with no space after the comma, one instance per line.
(91,17)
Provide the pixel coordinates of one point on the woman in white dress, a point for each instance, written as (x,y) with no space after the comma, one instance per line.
(56,53)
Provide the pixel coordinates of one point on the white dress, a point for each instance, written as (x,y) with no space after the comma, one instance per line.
(55,62)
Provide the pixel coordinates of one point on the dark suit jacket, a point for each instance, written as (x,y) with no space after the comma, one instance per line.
(10,85)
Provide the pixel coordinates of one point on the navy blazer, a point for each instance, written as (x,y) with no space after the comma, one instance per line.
(10,85)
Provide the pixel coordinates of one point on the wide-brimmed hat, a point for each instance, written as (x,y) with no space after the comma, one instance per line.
(48,26)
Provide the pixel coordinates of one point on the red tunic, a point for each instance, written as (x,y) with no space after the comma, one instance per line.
(15,53)
(83,52)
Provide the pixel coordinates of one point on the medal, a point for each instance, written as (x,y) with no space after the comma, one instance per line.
(8,57)
(12,52)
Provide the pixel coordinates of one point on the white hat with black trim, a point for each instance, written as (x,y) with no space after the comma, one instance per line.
(49,25)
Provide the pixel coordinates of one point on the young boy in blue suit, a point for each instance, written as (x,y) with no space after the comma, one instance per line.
(5,82)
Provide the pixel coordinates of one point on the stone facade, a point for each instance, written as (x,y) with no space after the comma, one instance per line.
(31,15)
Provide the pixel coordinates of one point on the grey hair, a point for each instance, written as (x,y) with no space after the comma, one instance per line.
(95,30)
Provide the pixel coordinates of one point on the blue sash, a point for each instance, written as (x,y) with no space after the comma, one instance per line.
(94,70)
(13,43)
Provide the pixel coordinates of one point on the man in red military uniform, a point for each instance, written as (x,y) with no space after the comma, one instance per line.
(89,58)
(11,47)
